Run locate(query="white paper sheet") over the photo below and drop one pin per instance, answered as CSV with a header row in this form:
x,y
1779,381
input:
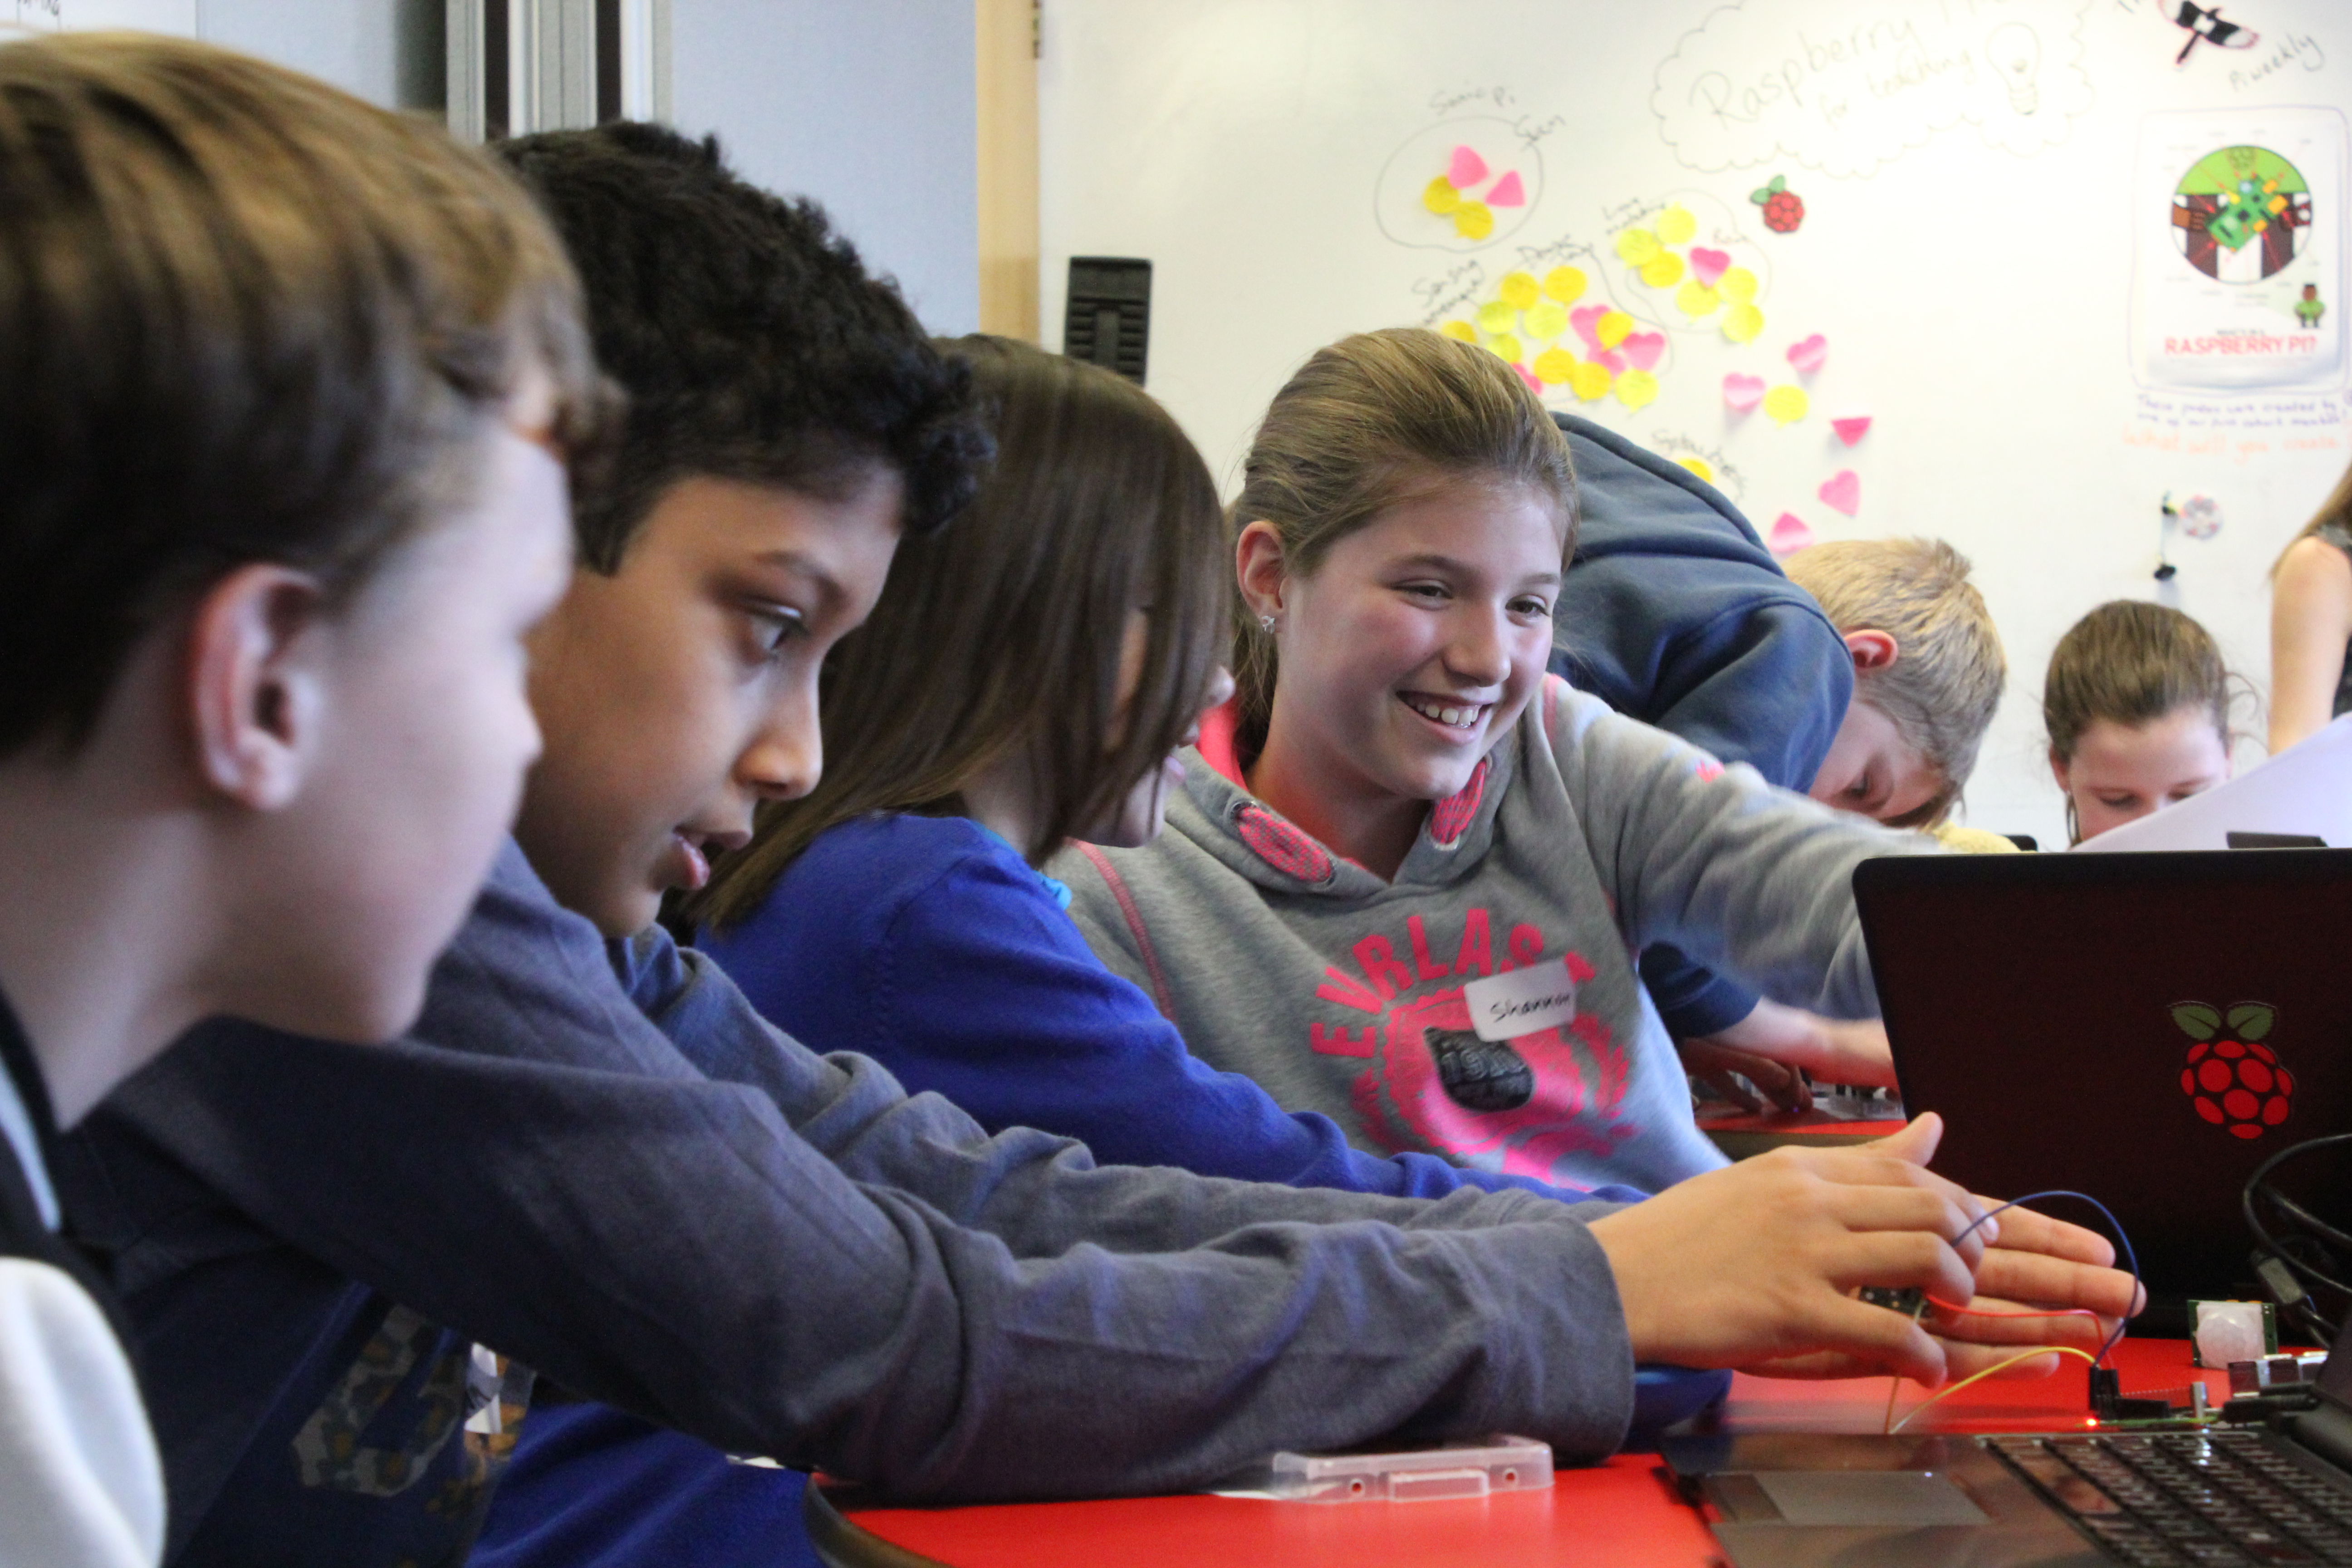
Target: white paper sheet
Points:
x,y
2305,789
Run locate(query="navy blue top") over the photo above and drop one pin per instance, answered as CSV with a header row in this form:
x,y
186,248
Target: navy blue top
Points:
x,y
1673,612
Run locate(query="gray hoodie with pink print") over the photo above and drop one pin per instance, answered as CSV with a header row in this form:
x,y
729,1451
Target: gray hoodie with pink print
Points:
x,y
1583,837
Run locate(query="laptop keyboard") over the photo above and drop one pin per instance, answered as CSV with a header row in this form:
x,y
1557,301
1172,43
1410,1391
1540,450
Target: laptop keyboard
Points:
x,y
2188,1497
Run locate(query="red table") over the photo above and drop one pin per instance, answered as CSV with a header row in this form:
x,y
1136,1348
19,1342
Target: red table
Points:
x,y
1622,1512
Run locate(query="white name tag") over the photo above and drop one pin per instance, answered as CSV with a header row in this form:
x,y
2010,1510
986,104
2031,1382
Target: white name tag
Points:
x,y
1523,1002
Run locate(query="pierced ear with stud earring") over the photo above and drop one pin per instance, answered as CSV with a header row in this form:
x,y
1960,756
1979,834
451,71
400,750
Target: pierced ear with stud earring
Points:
x,y
1266,623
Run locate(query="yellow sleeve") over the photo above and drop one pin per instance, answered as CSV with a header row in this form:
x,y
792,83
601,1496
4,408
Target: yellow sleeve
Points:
x,y
1970,840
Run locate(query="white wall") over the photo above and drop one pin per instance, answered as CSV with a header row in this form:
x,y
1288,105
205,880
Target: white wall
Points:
x,y
384,50
867,105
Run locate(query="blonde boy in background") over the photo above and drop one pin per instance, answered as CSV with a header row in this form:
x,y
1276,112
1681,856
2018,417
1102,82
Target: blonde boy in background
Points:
x,y
1928,670
1927,675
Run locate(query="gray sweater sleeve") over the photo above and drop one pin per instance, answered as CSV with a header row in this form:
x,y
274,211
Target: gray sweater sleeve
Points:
x,y
1752,881
781,1253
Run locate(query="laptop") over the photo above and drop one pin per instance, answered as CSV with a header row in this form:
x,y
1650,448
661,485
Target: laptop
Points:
x,y
2274,1494
2147,1028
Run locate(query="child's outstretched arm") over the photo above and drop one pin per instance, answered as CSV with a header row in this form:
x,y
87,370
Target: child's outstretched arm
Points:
x,y
1752,1266
1752,881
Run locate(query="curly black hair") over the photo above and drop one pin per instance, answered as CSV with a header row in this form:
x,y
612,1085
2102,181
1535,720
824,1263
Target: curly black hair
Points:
x,y
751,342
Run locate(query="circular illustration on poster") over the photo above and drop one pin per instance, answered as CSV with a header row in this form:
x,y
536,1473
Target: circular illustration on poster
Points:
x,y
2239,214
1461,184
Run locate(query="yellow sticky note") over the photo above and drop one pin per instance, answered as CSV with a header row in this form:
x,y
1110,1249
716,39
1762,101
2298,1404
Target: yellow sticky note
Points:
x,y
1636,245
1742,322
1695,299
1662,269
1507,348
1460,332
1545,319
1700,466
1676,225
1736,283
1786,404
1565,284
1612,329
1473,220
1555,365
1589,380
1440,197
1495,316
1519,290
1636,387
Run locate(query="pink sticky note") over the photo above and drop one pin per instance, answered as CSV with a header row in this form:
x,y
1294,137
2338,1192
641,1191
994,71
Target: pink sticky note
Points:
x,y
1809,355
1743,392
1508,192
1529,377
1706,266
1643,349
1584,318
1789,534
1851,430
1466,168
1843,491
1614,361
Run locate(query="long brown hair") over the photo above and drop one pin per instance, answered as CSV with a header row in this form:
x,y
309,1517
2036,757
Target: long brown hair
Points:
x,y
2132,662
1371,421
1001,633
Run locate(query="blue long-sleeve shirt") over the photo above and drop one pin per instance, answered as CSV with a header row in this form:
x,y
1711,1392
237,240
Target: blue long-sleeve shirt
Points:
x,y
927,944
1673,612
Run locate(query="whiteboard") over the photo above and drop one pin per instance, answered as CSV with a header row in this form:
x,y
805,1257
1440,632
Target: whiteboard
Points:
x,y
1988,252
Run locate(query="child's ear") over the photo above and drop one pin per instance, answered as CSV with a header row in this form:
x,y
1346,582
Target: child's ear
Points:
x,y
1258,567
1872,649
2058,770
255,687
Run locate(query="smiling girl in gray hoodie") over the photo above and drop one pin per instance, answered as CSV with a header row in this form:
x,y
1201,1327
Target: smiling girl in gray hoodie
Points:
x,y
1400,809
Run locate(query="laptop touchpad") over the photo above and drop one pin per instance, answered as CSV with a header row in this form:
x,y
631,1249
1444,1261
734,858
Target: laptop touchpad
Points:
x,y
1899,1499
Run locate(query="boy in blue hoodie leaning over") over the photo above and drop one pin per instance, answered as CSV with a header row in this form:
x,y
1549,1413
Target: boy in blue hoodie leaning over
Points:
x,y
280,378
1673,612
591,1156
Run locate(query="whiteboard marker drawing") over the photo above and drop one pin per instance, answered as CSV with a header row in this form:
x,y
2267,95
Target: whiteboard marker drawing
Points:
x,y
2203,24
2015,50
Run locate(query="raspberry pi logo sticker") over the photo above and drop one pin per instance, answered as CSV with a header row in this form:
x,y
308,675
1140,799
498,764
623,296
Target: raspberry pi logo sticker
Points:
x,y
2232,1078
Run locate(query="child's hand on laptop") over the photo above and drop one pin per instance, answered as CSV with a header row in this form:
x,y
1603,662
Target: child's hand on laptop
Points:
x,y
2045,1282
1753,1266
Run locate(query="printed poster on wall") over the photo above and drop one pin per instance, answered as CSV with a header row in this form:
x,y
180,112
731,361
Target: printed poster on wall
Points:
x,y
2239,250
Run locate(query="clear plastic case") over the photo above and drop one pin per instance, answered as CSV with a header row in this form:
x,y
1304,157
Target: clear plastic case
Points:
x,y
1499,1463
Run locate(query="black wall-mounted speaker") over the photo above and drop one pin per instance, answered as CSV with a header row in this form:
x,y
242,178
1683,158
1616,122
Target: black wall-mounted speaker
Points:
x,y
1108,318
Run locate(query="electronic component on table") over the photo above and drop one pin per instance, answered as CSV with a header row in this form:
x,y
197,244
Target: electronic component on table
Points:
x,y
2276,1371
1500,1463
1908,1299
